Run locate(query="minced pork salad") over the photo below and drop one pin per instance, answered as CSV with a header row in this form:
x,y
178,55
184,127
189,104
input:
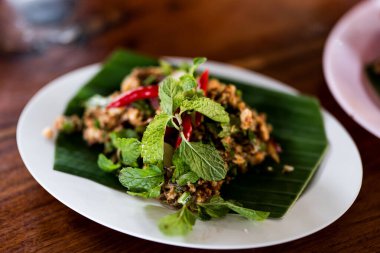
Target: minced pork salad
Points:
x,y
178,137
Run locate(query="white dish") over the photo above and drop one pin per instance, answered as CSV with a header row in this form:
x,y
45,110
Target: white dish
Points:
x,y
353,43
334,189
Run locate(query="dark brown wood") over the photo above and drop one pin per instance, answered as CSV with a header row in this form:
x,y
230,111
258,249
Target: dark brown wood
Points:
x,y
280,38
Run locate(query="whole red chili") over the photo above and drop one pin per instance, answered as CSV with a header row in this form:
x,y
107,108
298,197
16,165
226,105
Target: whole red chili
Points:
x,y
202,84
187,129
129,97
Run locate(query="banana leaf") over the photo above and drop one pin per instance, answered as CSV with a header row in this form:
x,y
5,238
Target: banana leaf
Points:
x,y
296,119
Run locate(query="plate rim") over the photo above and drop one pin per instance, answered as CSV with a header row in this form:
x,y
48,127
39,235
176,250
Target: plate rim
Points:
x,y
344,21
252,74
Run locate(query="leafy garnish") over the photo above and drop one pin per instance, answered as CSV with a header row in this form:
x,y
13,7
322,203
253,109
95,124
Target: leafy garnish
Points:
x,y
130,149
188,82
205,160
217,208
152,193
124,133
189,177
152,143
207,107
248,213
214,209
196,62
141,180
106,164
181,167
170,95
149,80
177,224
166,67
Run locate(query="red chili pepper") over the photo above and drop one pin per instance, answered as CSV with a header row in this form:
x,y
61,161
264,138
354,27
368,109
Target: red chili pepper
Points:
x,y
203,82
143,92
187,129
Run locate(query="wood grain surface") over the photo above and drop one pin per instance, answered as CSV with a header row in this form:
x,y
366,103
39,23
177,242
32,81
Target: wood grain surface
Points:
x,y
280,38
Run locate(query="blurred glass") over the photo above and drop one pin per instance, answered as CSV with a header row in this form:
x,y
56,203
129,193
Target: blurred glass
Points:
x,y
27,25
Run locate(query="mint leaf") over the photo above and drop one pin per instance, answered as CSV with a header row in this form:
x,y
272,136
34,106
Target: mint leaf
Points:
x,y
181,166
130,149
170,92
196,62
151,194
152,143
190,176
168,155
141,180
203,159
215,210
177,224
188,82
217,207
247,213
106,164
207,107
125,133
166,67
202,214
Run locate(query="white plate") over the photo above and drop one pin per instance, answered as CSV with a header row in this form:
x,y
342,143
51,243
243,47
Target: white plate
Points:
x,y
333,191
353,43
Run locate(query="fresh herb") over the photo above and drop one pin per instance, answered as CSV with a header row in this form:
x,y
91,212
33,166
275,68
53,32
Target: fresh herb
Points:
x,y
247,213
181,167
152,144
106,164
152,193
170,95
217,208
188,82
166,67
130,149
207,107
141,180
149,80
205,160
196,63
124,133
177,224
188,177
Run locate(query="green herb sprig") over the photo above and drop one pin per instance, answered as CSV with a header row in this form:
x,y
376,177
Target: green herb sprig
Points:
x,y
191,161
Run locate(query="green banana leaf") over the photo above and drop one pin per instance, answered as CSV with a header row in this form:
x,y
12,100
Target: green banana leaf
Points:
x,y
296,119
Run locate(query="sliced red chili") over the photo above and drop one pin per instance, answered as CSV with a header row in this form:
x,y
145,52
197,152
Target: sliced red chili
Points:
x,y
140,93
187,129
203,81
202,84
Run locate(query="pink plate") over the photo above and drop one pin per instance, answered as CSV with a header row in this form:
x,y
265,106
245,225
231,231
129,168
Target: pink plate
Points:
x,y
353,43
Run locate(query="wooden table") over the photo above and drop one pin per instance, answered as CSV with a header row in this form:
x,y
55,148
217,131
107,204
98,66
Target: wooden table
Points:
x,y
280,38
